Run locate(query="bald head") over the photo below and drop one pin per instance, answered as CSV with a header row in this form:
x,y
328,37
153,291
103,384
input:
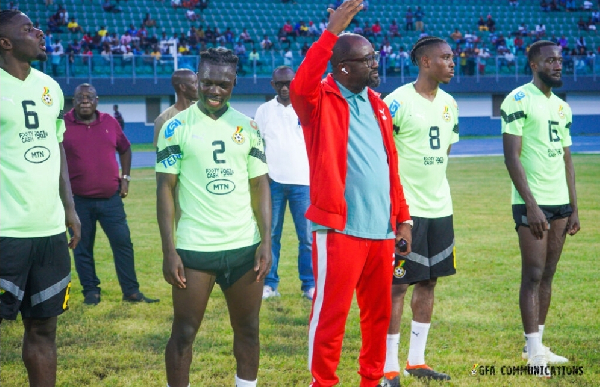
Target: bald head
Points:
x,y
348,46
86,86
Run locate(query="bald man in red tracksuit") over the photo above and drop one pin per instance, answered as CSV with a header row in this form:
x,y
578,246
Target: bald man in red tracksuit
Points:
x,y
357,205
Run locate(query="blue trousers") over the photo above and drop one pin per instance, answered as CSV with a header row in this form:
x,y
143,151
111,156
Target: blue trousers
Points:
x,y
111,215
299,198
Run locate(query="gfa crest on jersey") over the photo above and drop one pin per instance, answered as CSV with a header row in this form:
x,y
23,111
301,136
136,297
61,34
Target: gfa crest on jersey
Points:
x,y
238,137
561,113
399,271
446,114
46,97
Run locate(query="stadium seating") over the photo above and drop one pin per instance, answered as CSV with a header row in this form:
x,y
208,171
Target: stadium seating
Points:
x,y
266,17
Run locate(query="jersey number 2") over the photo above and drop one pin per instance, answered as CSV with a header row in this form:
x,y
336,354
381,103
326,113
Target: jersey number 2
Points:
x,y
434,137
31,117
220,149
553,133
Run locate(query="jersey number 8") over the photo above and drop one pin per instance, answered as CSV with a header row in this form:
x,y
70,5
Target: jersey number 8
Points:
x,y
434,137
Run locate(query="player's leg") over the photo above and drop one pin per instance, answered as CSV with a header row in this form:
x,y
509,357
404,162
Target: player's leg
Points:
x,y
39,351
299,199
46,297
278,205
440,245
338,261
375,316
84,252
244,299
112,218
189,305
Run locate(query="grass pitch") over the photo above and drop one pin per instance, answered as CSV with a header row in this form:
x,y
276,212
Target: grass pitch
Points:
x,y
476,317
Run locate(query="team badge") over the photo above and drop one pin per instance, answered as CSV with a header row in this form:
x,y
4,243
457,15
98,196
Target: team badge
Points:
x,y
446,114
46,97
561,113
394,107
399,271
519,96
253,125
238,137
170,129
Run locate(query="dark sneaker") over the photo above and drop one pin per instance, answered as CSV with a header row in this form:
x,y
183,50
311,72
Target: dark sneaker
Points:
x,y
92,299
424,371
390,379
139,297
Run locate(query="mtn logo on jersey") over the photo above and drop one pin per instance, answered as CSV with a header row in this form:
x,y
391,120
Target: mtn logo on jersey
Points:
x,y
394,107
170,130
399,271
561,113
519,96
238,137
446,114
46,97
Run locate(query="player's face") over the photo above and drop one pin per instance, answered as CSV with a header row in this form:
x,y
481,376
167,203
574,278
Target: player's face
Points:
x,y
363,73
281,83
85,102
27,42
215,84
549,66
442,63
191,87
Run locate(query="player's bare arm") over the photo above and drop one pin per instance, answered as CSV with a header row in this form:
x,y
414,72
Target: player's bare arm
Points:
x,y
573,225
173,270
535,217
125,159
260,196
343,15
66,196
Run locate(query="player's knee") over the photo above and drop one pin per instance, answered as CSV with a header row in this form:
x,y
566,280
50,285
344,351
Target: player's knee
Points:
x,y
428,284
549,272
532,276
246,329
184,334
40,329
399,291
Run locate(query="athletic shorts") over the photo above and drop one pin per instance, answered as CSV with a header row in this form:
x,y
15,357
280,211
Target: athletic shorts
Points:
x,y
228,265
35,276
551,212
432,254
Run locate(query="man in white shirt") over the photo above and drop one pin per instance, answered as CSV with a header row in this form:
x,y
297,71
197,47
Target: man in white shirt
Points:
x,y
288,173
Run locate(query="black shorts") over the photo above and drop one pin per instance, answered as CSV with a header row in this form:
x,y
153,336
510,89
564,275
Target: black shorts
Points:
x,y
550,212
228,265
35,276
432,254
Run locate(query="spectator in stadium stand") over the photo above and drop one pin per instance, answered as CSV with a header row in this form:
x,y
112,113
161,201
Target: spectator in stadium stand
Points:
x,y
595,16
288,58
191,15
587,5
376,28
228,36
289,29
393,30
563,42
303,29
490,23
210,34
519,44
312,29
357,213
571,6
540,30
148,21
156,53
254,59
282,38
106,54
591,26
62,16
419,15
91,141
456,36
245,37
481,25
202,5
266,44
110,8
73,26
544,6
57,52
367,30
581,24
554,6
358,29
87,40
126,38
580,43
322,26
408,17
175,4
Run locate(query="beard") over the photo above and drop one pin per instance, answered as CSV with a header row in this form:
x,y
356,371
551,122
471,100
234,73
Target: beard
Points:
x,y
373,81
549,81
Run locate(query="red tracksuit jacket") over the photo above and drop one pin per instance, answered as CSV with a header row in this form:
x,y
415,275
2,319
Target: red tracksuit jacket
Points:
x,y
325,118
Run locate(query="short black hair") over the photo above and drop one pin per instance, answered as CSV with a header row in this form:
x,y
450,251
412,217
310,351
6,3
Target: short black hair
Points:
x,y
536,48
6,16
417,50
219,56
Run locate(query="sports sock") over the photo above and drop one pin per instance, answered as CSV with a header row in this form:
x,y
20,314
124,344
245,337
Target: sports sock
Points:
x,y
541,330
534,346
418,340
244,383
391,354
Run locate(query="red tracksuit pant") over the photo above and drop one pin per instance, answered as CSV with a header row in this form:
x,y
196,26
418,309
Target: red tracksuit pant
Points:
x,y
341,264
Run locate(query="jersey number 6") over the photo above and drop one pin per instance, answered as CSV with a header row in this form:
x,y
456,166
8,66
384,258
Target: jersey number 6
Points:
x,y
30,115
553,133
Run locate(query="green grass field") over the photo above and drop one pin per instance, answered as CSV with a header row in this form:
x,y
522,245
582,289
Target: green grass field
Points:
x,y
476,317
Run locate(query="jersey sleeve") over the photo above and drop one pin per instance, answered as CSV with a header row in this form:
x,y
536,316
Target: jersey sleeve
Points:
x,y
566,130
60,121
513,113
168,148
123,143
257,162
455,132
394,106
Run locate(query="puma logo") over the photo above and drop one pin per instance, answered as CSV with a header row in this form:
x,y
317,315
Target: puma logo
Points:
x,y
415,333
